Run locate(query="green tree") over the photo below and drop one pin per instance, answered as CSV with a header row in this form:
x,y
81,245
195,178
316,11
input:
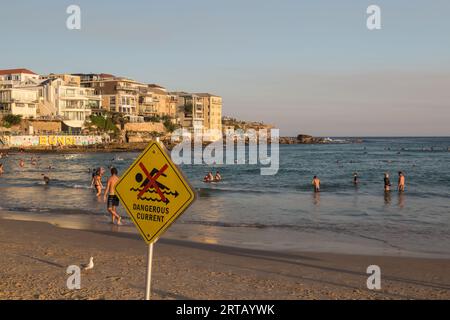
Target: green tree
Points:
x,y
11,120
103,124
170,126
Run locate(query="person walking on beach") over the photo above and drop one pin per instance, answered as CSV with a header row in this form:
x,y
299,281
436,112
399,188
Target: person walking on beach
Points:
x,y
316,184
113,200
401,181
387,182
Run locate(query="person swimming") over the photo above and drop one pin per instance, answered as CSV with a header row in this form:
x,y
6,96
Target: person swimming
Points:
x,y
316,184
387,182
1,168
401,181
46,179
217,177
209,177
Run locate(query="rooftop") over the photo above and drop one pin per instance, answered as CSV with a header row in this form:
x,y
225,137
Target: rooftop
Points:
x,y
205,95
15,71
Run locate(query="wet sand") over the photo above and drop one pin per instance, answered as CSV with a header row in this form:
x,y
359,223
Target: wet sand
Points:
x,y
35,255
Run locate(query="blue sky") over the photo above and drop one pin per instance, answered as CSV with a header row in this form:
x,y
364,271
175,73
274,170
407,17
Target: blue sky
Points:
x,y
305,66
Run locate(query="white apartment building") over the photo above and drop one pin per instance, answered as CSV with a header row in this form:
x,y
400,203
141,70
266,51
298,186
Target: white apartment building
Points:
x,y
12,77
65,99
17,101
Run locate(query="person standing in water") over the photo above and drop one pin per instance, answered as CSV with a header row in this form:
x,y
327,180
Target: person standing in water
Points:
x,y
387,182
316,184
401,181
97,182
355,178
110,194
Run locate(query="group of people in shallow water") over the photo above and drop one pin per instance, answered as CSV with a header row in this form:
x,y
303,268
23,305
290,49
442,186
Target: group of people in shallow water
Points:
x,y
212,178
109,196
21,164
387,183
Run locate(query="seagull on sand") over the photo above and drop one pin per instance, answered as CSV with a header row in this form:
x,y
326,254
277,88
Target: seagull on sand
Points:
x,y
90,265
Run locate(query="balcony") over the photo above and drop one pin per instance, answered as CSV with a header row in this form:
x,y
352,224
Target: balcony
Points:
x,y
73,97
126,88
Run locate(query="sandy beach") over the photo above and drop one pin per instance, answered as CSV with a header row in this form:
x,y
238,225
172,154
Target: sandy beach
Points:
x,y
35,256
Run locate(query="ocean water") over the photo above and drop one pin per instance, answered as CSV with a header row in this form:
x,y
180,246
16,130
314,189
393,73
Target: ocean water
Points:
x,y
277,212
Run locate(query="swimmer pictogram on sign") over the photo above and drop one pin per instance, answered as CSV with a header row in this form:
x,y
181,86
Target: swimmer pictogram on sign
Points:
x,y
152,185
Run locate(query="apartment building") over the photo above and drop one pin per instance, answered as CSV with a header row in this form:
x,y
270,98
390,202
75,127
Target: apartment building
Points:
x,y
157,101
118,94
212,116
63,97
190,111
18,101
12,77
87,77
147,107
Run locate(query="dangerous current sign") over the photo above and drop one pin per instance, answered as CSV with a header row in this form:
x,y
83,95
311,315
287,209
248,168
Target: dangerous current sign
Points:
x,y
154,192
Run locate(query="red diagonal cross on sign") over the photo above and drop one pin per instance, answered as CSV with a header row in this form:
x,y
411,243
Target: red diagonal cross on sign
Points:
x,y
152,181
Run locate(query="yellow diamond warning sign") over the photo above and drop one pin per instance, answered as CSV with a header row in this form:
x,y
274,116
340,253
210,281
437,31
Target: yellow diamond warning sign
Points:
x,y
154,192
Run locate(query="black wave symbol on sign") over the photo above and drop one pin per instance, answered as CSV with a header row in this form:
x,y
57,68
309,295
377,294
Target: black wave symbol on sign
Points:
x,y
154,199
169,193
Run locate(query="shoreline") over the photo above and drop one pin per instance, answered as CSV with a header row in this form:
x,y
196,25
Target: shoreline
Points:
x,y
35,256
140,146
129,147
239,237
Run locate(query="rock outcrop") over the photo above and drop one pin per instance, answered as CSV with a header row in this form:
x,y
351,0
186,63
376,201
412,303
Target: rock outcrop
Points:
x,y
302,139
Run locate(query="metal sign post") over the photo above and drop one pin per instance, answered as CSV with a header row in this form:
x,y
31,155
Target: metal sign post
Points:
x,y
149,272
154,193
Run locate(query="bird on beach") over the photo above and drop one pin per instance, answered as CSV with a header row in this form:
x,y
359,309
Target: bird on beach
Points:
x,y
90,265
